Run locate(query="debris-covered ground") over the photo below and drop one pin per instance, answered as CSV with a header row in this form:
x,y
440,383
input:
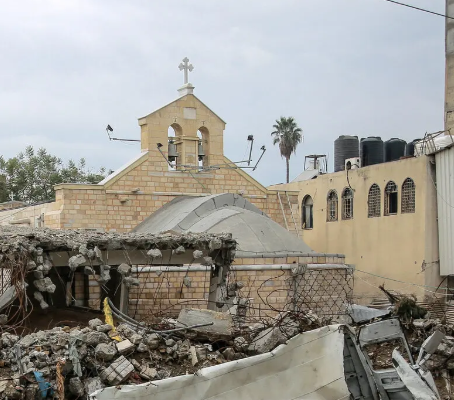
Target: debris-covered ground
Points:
x,y
73,362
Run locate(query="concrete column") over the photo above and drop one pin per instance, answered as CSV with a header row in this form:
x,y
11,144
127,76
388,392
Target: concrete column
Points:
x,y
449,79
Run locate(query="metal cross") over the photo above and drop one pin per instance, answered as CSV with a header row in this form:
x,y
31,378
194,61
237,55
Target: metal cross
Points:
x,y
186,67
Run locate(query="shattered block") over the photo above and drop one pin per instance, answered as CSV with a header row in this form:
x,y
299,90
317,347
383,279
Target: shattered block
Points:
x,y
267,340
197,254
148,373
76,261
31,265
130,281
125,347
215,244
91,254
118,371
154,253
207,261
98,252
104,328
92,385
124,269
105,351
44,285
76,387
83,249
47,266
94,323
94,338
3,319
104,274
180,250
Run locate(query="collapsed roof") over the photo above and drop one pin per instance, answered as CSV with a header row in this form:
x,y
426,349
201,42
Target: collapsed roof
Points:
x,y
257,234
18,240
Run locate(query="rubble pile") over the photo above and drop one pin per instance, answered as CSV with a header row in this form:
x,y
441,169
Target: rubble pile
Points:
x,y
100,355
443,359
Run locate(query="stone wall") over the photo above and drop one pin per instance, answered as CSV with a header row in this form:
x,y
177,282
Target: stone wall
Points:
x,y
266,282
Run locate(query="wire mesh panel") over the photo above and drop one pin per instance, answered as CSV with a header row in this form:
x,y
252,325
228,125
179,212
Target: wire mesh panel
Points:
x,y
326,292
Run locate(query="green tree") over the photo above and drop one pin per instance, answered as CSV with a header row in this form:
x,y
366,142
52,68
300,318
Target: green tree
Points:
x,y
31,176
288,135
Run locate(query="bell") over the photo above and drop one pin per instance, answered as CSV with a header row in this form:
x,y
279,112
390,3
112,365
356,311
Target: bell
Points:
x,y
172,151
201,152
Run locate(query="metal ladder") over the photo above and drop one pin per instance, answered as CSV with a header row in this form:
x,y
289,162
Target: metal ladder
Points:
x,y
293,218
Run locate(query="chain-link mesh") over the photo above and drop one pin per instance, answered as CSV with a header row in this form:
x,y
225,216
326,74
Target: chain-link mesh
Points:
x,y
325,291
5,279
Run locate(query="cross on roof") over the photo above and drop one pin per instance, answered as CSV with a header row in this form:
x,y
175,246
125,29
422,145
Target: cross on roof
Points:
x,y
186,67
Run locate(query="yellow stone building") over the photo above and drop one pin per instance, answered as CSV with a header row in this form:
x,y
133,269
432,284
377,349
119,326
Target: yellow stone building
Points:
x,y
383,217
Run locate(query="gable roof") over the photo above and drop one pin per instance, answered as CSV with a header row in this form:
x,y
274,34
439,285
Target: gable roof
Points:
x,y
174,101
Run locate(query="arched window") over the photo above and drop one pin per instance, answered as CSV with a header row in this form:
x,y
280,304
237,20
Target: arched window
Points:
x,y
331,207
307,212
347,204
374,201
408,196
391,194
203,148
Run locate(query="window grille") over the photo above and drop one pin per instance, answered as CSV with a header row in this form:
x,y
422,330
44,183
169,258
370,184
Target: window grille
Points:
x,y
391,198
374,201
331,207
307,213
408,196
347,204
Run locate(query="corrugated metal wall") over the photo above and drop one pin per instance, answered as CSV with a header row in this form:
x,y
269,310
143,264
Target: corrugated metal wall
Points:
x,y
444,161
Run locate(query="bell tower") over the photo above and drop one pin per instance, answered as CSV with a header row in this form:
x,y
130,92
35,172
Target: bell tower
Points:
x,y
197,142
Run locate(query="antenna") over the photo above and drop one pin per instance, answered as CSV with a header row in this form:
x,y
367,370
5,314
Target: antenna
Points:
x,y
110,129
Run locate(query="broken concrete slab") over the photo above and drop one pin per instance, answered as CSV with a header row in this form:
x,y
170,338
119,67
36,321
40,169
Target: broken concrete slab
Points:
x,y
360,313
44,285
222,323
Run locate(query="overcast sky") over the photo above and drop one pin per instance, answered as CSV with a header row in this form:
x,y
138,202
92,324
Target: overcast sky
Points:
x,y
361,67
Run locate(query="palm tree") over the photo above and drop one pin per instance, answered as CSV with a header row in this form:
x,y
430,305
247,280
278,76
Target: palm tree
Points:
x,y
288,135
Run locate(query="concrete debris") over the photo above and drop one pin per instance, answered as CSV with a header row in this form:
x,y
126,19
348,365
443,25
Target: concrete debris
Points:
x,y
94,338
105,328
94,323
83,249
98,253
75,261
221,323
125,347
91,255
91,385
104,272
179,250
76,387
187,281
215,244
130,281
40,298
3,319
44,285
124,269
207,261
105,351
197,254
31,265
154,253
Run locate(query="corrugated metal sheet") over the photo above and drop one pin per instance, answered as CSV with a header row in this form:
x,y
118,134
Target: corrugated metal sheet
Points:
x,y
444,161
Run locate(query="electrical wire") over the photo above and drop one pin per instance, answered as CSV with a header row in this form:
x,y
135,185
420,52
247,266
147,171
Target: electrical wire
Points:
x,y
419,9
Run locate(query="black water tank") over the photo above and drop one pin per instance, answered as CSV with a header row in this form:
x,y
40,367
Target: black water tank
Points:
x,y
394,149
410,148
371,151
345,147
